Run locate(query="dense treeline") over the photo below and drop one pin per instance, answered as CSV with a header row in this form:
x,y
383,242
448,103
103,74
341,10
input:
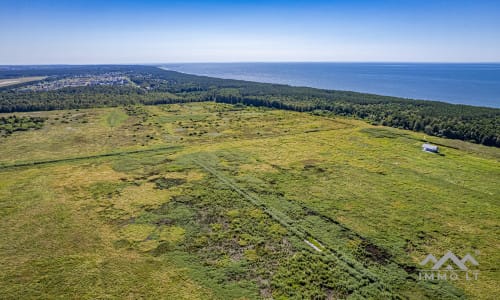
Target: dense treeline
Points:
x,y
157,86
481,127
81,97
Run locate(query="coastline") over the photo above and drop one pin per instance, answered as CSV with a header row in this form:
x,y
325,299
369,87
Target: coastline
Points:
x,y
384,79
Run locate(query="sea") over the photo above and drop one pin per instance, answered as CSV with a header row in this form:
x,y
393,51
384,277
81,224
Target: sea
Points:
x,y
464,83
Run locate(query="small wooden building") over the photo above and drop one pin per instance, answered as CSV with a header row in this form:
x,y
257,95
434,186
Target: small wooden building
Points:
x,y
430,148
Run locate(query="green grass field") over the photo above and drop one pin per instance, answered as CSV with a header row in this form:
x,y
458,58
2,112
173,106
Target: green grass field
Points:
x,y
213,201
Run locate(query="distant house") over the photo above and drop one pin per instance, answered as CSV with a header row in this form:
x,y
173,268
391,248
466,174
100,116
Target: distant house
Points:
x,y
430,148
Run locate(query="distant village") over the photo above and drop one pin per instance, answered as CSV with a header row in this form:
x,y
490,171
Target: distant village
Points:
x,y
113,79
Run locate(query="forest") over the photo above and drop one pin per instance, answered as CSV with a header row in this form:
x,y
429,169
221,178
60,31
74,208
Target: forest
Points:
x,y
157,86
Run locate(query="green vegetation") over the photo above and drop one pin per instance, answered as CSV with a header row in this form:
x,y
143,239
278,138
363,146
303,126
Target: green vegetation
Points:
x,y
116,117
212,200
153,86
13,123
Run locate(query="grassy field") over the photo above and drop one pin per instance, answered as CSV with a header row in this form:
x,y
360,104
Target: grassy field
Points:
x,y
214,201
14,81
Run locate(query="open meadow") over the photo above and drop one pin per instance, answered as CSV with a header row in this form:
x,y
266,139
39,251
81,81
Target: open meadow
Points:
x,y
16,81
218,201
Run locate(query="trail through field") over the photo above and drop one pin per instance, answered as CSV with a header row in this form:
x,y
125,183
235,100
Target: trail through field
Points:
x,y
78,158
365,276
313,246
324,235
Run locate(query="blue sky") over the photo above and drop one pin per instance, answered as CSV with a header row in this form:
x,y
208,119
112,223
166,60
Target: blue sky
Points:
x,y
79,32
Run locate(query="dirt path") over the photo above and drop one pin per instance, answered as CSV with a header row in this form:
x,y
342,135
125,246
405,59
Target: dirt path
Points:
x,y
354,268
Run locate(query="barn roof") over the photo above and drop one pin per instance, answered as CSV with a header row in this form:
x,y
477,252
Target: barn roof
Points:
x,y
429,146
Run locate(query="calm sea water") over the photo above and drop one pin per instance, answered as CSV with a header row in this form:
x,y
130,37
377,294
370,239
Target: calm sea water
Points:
x,y
473,84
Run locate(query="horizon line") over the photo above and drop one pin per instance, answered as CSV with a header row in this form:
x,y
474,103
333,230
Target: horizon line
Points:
x,y
254,62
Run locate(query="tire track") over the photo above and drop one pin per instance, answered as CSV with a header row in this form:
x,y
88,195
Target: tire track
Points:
x,y
354,269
